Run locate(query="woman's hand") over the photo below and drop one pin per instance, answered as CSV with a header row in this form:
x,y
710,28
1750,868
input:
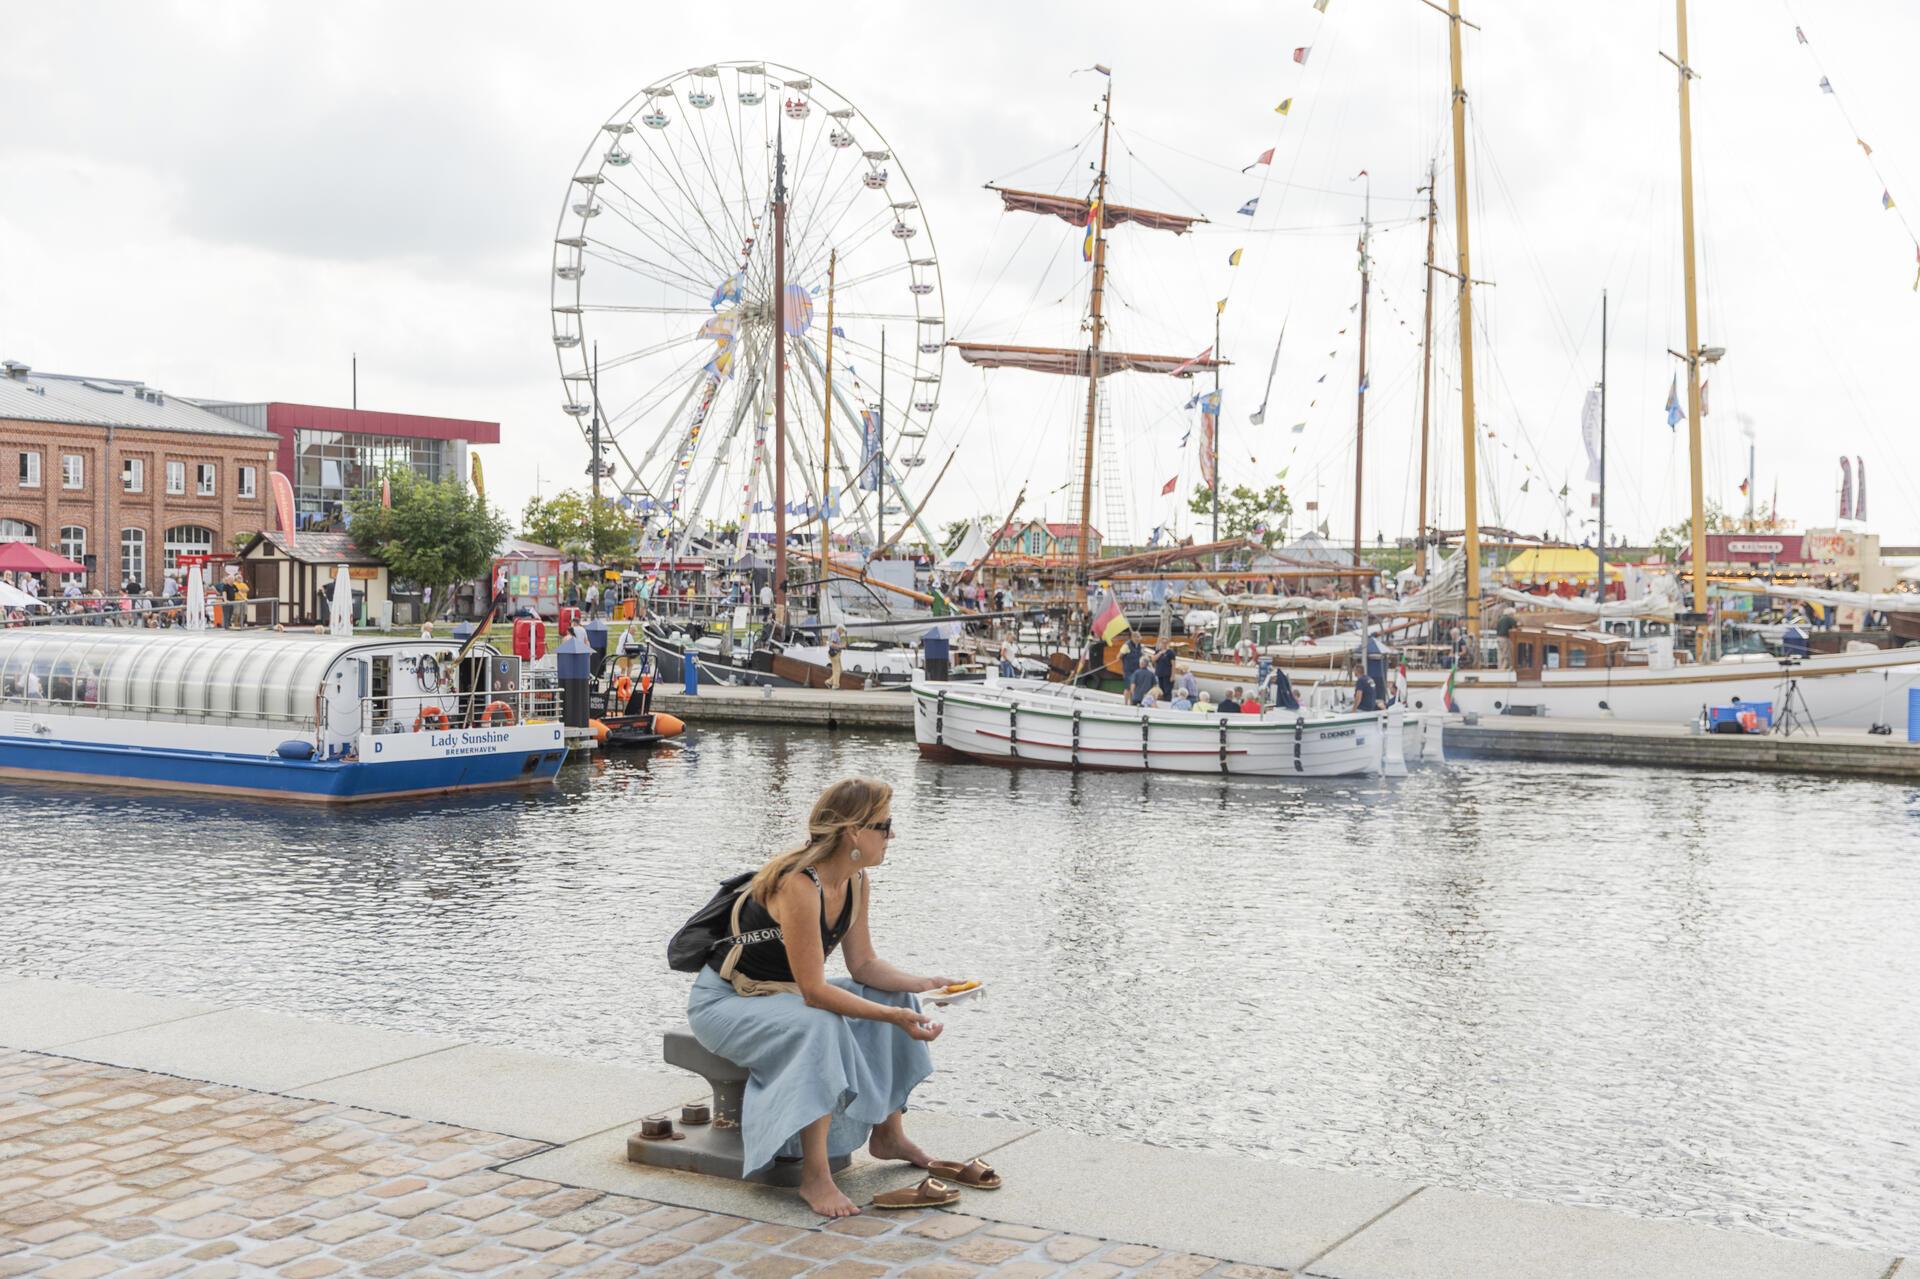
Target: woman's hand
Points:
x,y
917,1027
932,983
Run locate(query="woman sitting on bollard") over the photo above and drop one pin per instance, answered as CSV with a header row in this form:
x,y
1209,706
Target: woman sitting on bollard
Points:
x,y
831,1061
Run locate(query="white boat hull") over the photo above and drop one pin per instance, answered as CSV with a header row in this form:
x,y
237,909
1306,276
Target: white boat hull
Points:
x,y
1033,723
1842,690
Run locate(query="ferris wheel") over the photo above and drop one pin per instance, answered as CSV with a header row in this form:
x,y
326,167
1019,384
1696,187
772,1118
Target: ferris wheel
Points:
x,y
664,319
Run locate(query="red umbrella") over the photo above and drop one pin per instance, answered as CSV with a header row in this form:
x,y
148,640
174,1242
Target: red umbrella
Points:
x,y
25,557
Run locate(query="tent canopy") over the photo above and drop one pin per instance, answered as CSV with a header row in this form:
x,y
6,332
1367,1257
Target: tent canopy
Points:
x,y
25,557
1555,563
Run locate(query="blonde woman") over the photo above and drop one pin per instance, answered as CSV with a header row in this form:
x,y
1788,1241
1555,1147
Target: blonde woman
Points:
x,y
831,1061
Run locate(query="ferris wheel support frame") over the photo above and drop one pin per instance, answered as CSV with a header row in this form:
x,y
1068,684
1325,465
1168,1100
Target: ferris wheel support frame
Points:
x,y
886,472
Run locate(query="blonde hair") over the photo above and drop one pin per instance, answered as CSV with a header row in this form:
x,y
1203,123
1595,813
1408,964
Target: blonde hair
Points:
x,y
842,809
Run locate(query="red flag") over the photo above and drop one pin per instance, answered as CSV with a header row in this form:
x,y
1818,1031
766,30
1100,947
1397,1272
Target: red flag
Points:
x,y
1168,486
1182,368
1266,157
1300,54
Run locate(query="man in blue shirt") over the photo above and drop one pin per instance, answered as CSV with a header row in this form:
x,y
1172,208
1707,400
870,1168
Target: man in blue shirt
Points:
x,y
1139,684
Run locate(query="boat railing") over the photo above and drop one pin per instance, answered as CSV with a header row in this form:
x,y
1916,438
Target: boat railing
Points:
x,y
438,710
142,612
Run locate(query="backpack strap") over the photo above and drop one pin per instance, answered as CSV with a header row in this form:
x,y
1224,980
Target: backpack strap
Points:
x,y
732,960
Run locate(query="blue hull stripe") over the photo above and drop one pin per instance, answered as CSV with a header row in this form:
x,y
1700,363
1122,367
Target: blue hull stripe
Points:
x,y
329,781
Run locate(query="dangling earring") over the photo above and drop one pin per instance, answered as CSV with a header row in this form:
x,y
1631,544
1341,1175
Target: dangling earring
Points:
x,y
856,853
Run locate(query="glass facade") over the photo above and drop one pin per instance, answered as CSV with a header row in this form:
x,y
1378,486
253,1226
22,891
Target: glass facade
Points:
x,y
332,468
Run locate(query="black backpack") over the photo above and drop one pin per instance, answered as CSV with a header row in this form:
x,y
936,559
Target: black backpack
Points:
x,y
707,928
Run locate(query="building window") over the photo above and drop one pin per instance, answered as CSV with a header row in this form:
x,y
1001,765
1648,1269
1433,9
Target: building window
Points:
x,y
133,555
248,480
332,468
176,478
185,539
203,476
73,471
29,470
133,475
17,531
73,545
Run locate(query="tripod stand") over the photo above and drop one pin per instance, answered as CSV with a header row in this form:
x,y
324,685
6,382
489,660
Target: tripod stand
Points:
x,y
1794,714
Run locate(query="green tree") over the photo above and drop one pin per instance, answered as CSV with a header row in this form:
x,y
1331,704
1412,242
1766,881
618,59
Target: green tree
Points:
x,y
435,534
1676,538
563,519
1244,512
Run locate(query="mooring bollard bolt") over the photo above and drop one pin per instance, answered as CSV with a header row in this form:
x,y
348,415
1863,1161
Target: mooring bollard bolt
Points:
x,y
659,1128
695,1113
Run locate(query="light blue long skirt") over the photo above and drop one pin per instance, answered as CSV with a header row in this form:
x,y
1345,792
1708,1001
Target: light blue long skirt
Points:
x,y
807,1062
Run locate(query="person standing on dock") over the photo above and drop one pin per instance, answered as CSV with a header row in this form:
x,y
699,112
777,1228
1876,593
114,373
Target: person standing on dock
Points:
x,y
836,649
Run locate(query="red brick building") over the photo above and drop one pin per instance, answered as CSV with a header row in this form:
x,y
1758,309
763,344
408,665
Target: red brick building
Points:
x,y
124,478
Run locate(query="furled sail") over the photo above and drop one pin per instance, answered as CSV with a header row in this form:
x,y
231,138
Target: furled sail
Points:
x,y
1072,209
1072,362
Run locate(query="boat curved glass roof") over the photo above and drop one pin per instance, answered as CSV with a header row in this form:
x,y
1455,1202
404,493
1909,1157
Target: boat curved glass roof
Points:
x,y
261,676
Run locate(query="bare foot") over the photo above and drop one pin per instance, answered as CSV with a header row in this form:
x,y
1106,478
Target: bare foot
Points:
x,y
825,1198
897,1146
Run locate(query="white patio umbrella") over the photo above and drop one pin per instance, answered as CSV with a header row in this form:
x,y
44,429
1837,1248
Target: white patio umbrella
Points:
x,y
196,617
340,615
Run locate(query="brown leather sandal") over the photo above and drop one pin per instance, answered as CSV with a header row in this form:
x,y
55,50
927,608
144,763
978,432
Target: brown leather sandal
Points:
x,y
977,1174
930,1193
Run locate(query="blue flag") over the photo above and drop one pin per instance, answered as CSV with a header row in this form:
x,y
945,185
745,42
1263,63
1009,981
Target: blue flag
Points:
x,y
1250,206
1673,403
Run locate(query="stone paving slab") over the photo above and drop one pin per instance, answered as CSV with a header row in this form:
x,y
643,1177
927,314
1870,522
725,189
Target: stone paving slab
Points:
x,y
253,1049
35,1013
1252,1210
600,1161
509,1091
1446,1234
106,1171
1450,1233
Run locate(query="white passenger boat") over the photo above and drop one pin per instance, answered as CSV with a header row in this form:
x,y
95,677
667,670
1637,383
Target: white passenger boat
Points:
x,y
272,714
1033,722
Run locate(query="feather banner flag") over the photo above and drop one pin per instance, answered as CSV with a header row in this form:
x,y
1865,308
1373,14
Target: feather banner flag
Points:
x,y
1286,105
479,477
1673,402
1233,258
1860,488
1300,54
1846,488
1266,157
282,490
1209,446
1248,208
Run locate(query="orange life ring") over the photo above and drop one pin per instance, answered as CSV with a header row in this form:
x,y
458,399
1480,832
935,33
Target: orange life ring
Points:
x,y
432,714
623,689
503,711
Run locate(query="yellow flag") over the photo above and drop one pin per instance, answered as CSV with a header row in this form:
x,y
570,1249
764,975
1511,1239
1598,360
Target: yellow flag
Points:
x,y
479,480
1864,146
1321,5
1233,258
1286,105
1220,306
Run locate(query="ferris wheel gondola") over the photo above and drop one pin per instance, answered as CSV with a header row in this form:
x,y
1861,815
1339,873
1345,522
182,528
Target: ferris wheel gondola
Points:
x,y
674,297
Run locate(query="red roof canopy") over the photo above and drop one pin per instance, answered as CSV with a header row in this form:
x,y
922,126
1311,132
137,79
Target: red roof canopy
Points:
x,y
25,557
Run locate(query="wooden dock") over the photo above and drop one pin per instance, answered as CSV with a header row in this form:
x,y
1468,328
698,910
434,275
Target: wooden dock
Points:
x,y
1832,752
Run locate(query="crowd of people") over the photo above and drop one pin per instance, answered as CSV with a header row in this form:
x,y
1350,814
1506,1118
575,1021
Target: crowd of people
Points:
x,y
136,604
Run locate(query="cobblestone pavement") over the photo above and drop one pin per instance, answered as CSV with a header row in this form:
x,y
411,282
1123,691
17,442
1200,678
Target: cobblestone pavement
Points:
x,y
106,1171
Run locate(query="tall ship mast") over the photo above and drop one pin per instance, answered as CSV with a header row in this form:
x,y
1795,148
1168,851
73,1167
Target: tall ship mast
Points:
x,y
1094,361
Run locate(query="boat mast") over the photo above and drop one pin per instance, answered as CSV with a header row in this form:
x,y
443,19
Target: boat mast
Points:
x,y
880,449
1218,421
1360,418
826,446
1694,352
1426,375
779,379
1470,535
1601,569
1094,326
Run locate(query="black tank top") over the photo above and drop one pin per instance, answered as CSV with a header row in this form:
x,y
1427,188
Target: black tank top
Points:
x,y
766,959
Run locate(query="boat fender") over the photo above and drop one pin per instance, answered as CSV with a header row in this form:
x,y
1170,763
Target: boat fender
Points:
x,y
668,725
599,727
497,713
294,750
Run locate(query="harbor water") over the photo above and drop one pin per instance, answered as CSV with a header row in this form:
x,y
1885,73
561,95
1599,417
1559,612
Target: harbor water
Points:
x,y
1673,994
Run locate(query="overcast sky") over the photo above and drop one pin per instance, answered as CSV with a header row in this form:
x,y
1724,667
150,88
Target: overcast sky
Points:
x,y
228,199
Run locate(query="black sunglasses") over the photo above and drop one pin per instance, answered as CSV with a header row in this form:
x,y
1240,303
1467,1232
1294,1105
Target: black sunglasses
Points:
x,y
885,828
